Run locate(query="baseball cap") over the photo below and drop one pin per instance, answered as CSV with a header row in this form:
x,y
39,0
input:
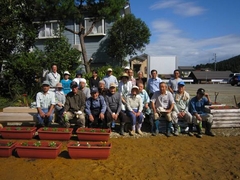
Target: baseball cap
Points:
x,y
201,91
127,67
73,84
46,83
181,83
94,90
109,69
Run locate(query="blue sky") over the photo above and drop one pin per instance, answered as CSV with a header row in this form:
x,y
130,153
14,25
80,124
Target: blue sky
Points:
x,y
192,30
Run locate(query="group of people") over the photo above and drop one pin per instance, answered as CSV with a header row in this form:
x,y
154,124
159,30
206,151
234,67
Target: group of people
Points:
x,y
109,100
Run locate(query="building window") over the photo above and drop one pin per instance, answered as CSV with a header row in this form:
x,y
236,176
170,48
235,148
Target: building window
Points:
x,y
98,29
49,30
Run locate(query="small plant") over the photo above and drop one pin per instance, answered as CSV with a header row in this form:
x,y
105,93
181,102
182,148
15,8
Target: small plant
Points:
x,y
37,144
102,130
52,144
76,144
93,130
82,130
9,143
103,143
54,129
45,128
28,129
24,144
66,130
8,128
18,128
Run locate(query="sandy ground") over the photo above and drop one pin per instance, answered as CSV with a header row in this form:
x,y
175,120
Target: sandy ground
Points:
x,y
146,157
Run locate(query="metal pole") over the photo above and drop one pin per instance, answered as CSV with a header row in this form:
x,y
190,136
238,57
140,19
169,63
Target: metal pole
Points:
x,y
215,60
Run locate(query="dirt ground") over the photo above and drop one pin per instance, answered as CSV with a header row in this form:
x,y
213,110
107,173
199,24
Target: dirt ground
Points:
x,y
157,157
145,157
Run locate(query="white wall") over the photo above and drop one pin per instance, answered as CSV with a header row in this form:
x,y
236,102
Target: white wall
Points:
x,y
163,64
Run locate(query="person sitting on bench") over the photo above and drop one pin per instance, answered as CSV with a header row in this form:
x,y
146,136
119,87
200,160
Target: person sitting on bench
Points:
x,y
95,109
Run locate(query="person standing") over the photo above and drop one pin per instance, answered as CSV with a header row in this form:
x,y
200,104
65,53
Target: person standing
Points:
x,y
124,88
131,78
180,111
66,82
114,103
153,83
53,77
45,105
74,106
134,110
162,104
109,78
101,88
197,109
141,79
95,109
173,82
94,80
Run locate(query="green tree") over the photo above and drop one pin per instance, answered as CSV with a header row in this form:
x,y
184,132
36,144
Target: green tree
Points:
x,y
17,32
127,36
24,70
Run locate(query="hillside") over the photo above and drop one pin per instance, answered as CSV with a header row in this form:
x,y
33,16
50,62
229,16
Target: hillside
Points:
x,y
232,64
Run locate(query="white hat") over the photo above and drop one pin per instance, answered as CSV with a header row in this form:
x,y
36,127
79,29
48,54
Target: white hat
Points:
x,y
109,69
82,80
66,72
127,68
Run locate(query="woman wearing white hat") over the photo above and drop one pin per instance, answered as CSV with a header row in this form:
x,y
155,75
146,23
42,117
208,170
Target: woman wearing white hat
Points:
x,y
66,82
134,110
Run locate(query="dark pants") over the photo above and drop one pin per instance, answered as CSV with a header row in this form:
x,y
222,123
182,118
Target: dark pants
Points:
x,y
97,123
122,117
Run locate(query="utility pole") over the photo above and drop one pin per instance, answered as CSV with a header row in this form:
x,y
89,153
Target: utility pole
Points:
x,y
215,61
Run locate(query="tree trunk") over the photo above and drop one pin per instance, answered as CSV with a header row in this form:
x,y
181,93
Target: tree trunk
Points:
x,y
84,53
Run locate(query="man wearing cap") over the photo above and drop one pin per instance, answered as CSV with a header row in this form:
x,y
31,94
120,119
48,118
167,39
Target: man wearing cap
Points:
x,y
180,111
101,88
109,78
45,105
53,77
60,99
162,104
114,103
134,110
173,82
153,83
66,82
126,69
95,109
83,88
197,109
74,106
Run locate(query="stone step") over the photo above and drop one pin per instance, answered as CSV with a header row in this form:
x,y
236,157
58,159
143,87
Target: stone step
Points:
x,y
19,110
16,117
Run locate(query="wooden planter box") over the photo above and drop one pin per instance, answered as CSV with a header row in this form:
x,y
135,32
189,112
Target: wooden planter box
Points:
x,y
45,151
18,132
6,148
89,150
93,134
47,133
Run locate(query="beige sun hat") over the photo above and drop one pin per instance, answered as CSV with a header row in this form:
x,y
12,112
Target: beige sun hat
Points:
x,y
66,72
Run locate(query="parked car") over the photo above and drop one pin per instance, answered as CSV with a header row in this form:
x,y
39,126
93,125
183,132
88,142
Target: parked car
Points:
x,y
235,80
